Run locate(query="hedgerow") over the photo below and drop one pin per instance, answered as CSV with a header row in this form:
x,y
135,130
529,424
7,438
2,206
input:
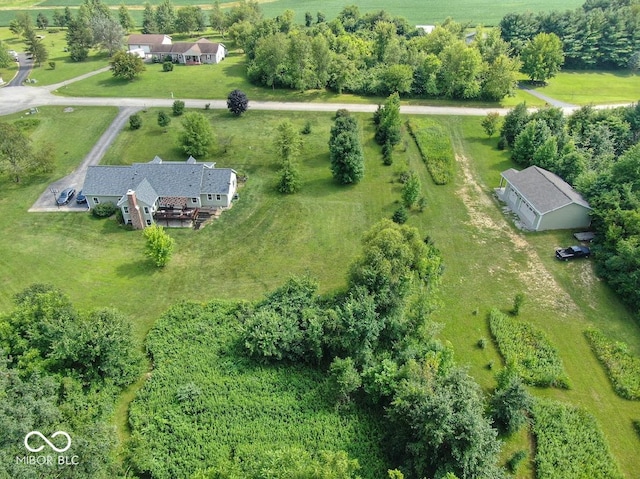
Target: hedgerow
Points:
x,y
208,403
528,350
570,444
622,367
434,144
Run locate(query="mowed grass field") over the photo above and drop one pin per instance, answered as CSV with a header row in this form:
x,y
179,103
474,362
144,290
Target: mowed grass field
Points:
x,y
417,12
266,237
594,87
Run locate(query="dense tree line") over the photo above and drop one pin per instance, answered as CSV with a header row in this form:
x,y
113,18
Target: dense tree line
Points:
x,y
600,34
62,370
375,54
598,152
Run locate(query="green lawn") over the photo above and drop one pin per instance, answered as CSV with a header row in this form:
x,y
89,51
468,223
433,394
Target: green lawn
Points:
x,y
488,261
266,237
594,87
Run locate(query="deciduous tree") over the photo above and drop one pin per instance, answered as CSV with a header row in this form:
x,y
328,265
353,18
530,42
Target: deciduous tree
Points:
x,y
196,138
16,153
159,245
126,66
389,124
411,190
164,120
490,123
237,102
542,57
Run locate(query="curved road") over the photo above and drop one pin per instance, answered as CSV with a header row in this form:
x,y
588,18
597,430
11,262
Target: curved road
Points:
x,y
15,98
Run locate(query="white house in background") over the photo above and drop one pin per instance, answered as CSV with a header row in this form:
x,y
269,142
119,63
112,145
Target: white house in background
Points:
x,y
161,48
171,191
426,28
543,200
190,53
145,41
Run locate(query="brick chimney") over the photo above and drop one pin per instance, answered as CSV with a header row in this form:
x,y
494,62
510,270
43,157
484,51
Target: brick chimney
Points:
x,y
137,220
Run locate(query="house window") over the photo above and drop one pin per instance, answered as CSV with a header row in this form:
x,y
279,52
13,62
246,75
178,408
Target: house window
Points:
x,y
146,210
209,197
218,197
96,200
148,222
126,210
194,200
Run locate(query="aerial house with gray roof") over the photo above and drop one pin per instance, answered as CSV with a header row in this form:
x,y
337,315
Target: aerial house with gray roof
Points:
x,y
174,192
542,200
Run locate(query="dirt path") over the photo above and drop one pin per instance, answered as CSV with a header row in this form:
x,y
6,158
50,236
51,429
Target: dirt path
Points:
x,y
535,275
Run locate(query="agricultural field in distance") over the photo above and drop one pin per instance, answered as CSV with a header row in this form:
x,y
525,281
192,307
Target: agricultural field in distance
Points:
x,y
416,11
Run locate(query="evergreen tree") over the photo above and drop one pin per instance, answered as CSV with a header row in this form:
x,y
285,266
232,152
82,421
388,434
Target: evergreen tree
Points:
x,y
165,17
125,19
345,151
148,19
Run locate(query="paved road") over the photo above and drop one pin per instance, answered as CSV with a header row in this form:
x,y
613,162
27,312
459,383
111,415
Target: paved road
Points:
x,y
23,72
15,98
550,101
46,201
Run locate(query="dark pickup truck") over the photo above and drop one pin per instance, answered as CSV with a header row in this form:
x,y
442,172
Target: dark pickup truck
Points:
x,y
573,252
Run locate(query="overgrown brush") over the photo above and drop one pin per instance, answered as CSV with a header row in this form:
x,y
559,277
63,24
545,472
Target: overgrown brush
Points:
x,y
570,444
434,144
622,367
528,350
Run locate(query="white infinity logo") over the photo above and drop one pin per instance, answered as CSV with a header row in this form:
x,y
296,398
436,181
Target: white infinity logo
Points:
x,y
49,443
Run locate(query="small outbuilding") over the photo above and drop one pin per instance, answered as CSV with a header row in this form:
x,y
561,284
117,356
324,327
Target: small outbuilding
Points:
x,y
542,200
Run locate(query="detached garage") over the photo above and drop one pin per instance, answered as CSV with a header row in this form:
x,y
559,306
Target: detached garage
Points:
x,y
543,200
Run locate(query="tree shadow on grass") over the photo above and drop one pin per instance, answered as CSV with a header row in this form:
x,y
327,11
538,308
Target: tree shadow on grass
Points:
x,y
135,269
323,187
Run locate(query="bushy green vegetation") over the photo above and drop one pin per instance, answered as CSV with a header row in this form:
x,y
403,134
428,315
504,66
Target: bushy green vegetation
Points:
x,y
62,370
376,54
528,351
434,143
623,368
570,444
226,409
383,359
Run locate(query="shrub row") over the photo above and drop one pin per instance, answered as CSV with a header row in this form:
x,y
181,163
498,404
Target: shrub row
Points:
x,y
622,367
529,351
434,144
570,444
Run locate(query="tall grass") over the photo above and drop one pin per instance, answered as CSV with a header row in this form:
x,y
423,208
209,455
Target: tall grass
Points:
x,y
623,368
529,350
434,143
207,403
570,444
